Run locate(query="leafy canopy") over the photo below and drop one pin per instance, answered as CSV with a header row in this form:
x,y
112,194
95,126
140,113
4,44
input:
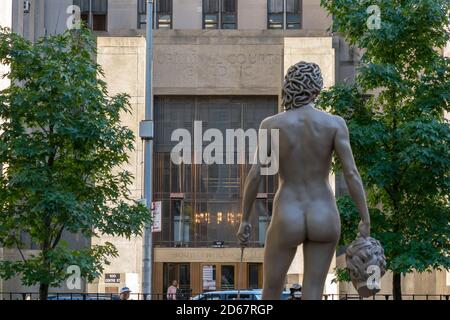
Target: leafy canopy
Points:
x,y
400,137
63,150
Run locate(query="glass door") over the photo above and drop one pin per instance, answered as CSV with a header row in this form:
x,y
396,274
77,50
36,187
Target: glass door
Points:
x,y
227,277
217,276
179,272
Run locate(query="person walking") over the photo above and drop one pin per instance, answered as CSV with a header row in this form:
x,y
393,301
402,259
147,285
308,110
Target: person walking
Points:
x,y
172,291
125,293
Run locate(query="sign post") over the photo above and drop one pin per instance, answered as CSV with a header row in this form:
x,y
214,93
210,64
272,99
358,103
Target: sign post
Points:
x,y
146,133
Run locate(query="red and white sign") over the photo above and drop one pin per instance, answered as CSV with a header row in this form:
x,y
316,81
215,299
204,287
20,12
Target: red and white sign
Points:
x,y
156,215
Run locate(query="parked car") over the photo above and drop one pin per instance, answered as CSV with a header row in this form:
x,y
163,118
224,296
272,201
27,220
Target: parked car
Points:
x,y
254,294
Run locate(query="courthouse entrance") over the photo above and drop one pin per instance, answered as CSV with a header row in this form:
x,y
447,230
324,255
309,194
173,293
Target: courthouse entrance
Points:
x,y
210,276
200,270
201,203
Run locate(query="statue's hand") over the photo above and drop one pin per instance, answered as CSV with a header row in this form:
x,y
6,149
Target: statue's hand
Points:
x,y
364,229
243,233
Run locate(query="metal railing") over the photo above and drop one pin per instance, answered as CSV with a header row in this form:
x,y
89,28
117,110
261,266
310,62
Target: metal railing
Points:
x,y
188,296
82,296
387,297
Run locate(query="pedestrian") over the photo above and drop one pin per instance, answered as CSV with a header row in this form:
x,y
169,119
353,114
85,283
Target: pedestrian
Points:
x,y
172,291
125,293
296,292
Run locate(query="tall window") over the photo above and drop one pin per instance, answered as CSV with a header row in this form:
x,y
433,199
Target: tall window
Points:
x,y
284,14
293,14
162,14
275,14
94,13
219,14
142,11
201,203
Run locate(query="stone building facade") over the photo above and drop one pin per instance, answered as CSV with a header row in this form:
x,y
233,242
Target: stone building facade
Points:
x,y
219,62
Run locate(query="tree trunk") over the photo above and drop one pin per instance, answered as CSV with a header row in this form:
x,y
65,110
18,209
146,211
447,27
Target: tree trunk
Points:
x,y
43,291
43,287
397,286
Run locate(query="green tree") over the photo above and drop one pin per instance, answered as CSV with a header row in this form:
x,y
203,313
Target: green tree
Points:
x,y
62,146
400,137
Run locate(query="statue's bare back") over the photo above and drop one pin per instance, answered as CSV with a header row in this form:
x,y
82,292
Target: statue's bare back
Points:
x,y
304,210
304,205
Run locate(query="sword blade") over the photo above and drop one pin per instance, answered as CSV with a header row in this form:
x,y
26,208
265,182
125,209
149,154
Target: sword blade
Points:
x,y
240,273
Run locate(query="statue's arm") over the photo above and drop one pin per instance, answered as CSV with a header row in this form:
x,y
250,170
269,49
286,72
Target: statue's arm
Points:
x,y
251,187
351,174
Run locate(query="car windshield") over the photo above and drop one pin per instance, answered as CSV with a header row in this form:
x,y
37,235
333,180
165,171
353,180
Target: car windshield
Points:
x,y
210,297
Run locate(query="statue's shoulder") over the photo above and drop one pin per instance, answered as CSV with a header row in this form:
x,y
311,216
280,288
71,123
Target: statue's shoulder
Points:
x,y
325,114
339,121
329,118
272,122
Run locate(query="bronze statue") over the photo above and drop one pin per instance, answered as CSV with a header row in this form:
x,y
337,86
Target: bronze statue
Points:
x,y
304,208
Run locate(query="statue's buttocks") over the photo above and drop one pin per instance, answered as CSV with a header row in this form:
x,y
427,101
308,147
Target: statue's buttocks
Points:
x,y
304,206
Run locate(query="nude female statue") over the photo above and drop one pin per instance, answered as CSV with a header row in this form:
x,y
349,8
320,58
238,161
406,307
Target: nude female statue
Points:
x,y
304,208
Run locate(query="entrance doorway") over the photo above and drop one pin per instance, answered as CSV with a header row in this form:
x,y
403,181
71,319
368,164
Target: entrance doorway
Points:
x,y
219,276
181,272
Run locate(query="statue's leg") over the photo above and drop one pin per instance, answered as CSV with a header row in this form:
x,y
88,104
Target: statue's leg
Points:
x,y
317,257
277,259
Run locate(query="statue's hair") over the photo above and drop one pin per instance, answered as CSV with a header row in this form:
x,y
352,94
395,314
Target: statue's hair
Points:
x,y
302,84
362,253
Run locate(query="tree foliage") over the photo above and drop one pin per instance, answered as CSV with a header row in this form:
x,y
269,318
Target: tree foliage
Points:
x,y
63,147
395,111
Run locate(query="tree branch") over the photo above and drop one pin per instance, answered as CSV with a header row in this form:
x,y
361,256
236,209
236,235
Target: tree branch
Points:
x,y
20,251
58,237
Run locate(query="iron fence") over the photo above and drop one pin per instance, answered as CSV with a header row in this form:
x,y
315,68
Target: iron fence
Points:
x,y
187,296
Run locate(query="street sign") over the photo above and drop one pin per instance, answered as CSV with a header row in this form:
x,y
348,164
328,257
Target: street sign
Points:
x,y
112,277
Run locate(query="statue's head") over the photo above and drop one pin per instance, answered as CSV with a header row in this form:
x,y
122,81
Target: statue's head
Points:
x,y
302,84
366,264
